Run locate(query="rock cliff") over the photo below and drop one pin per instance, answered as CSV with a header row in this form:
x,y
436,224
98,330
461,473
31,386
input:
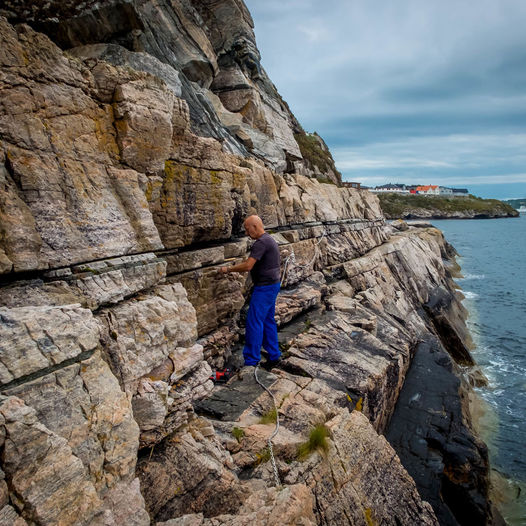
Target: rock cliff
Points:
x,y
127,166
206,53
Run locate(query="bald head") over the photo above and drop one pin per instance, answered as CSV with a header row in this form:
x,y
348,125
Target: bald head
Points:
x,y
254,227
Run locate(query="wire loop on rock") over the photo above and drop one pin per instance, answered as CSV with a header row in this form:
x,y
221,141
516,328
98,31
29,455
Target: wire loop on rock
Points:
x,y
291,258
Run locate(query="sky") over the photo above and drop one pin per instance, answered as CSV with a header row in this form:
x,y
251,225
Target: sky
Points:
x,y
406,91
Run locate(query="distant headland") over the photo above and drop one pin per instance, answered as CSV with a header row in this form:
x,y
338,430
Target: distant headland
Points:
x,y
438,202
418,189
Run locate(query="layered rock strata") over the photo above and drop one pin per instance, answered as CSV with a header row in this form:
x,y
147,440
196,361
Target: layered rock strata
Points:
x,y
205,52
114,219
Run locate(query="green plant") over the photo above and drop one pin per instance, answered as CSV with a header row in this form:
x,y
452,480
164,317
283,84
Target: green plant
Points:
x,y
308,325
269,417
317,442
263,456
312,151
284,347
325,180
238,433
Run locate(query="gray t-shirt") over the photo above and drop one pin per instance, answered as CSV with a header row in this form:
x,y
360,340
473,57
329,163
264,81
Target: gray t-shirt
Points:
x,y
266,270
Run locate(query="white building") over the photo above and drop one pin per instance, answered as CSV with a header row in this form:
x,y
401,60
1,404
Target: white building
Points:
x,y
397,188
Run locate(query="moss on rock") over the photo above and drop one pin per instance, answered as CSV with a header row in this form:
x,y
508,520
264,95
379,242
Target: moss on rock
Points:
x,y
315,152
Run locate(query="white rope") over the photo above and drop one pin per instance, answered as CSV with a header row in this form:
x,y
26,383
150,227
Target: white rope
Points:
x,y
269,441
292,258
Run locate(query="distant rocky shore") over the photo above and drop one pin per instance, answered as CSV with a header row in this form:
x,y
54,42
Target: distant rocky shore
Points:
x,y
398,206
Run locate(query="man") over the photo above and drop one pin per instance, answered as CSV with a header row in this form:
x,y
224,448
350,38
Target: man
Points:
x,y
263,264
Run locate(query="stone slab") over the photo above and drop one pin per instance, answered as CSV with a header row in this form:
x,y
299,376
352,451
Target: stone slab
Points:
x,y
227,402
37,338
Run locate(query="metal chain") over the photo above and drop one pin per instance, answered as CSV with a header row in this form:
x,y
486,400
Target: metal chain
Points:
x,y
269,441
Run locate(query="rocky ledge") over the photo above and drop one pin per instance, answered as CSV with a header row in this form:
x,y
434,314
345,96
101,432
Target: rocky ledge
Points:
x,y
117,208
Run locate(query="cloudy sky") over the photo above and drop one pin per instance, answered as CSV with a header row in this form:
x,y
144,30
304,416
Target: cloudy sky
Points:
x,y
409,91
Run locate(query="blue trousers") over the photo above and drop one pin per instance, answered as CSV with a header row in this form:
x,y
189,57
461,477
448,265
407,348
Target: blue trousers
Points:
x,y
261,328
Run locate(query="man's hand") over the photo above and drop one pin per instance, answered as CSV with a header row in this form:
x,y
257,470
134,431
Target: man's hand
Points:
x,y
245,266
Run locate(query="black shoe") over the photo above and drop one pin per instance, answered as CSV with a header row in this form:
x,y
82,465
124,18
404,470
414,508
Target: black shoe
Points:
x,y
270,364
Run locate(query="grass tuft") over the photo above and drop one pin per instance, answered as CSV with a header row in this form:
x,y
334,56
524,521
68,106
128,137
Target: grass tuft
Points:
x,y
269,417
263,456
317,442
238,433
313,151
308,325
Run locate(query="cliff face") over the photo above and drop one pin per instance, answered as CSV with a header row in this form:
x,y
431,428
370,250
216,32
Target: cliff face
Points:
x,y
119,200
205,51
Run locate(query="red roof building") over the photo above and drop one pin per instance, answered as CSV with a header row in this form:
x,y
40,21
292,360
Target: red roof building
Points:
x,y
428,189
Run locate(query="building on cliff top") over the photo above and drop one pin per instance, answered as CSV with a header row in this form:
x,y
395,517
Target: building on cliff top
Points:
x,y
352,184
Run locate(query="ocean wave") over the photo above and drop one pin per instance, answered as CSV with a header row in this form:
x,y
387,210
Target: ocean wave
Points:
x,y
496,360
470,295
472,276
503,375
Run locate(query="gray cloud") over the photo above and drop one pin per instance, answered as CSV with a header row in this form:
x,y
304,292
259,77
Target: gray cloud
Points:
x,y
376,78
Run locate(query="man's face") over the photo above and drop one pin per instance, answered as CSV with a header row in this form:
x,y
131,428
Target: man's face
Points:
x,y
251,229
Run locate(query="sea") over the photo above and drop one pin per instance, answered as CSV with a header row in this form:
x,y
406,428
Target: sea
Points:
x,y
493,262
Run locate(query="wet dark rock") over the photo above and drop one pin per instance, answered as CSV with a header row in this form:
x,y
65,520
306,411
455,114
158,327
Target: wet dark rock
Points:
x,y
228,401
435,443
447,315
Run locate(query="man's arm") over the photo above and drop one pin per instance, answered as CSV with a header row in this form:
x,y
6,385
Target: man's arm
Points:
x,y
246,266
